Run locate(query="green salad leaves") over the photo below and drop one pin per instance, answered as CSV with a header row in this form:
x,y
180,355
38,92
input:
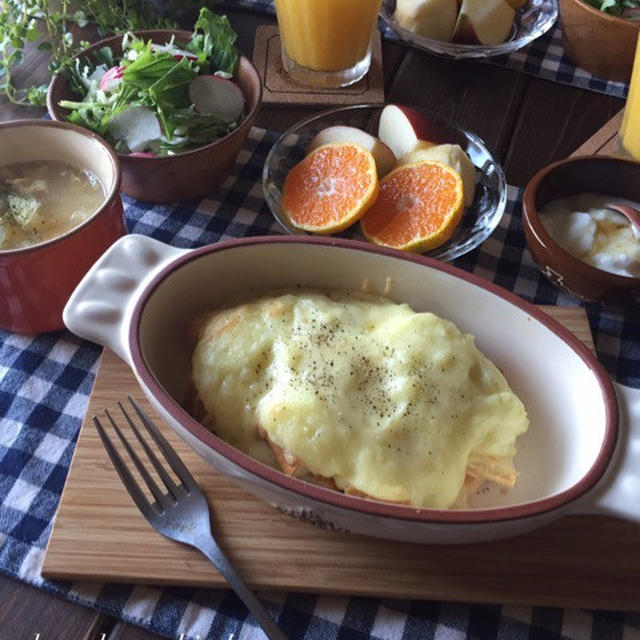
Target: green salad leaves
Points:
x,y
215,39
141,102
57,29
628,9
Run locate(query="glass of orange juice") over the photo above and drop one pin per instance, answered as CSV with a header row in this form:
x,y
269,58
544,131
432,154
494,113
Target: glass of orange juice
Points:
x,y
630,130
326,42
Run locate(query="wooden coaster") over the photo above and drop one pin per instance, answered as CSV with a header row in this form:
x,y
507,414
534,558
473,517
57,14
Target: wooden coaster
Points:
x,y
280,88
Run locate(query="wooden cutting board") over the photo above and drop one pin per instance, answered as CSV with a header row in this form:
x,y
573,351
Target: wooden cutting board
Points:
x,y
590,562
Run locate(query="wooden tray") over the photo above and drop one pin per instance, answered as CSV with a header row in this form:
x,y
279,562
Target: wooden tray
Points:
x,y
589,562
604,141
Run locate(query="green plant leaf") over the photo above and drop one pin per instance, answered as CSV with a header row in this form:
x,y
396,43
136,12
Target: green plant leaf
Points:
x,y
33,33
104,55
614,7
215,38
171,92
148,68
195,129
80,18
37,95
610,6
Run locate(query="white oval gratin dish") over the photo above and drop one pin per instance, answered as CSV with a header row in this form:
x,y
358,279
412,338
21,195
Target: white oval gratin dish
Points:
x,y
580,455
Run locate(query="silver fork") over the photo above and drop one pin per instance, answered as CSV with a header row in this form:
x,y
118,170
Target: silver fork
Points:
x,y
181,513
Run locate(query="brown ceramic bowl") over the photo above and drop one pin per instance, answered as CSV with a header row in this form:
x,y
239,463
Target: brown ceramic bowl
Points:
x,y
598,42
616,177
36,281
185,175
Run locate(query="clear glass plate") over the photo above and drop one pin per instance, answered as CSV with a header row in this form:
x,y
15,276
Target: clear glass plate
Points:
x,y
478,221
534,19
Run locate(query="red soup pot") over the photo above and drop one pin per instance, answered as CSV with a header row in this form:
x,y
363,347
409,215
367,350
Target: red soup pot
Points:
x,y
36,281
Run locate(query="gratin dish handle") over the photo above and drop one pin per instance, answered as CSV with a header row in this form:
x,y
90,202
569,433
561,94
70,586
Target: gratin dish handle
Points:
x,y
619,495
100,308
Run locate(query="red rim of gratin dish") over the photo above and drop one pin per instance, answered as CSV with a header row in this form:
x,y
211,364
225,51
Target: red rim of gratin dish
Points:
x,y
367,506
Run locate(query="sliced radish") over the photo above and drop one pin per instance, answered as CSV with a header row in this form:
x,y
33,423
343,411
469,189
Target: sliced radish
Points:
x,y
143,154
137,126
215,96
178,54
98,73
111,79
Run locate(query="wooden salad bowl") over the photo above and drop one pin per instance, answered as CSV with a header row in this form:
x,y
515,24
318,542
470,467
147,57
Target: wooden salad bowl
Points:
x,y
186,175
597,42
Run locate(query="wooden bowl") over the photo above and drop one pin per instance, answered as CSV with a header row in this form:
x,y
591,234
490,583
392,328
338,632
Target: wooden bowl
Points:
x,y
186,175
599,43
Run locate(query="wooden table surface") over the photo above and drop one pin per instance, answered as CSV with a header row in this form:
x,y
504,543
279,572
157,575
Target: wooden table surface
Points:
x,y
526,122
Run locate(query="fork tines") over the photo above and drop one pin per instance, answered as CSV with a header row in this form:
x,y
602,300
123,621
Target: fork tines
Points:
x,y
181,513
171,493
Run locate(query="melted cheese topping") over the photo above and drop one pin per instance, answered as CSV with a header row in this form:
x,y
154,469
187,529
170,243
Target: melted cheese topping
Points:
x,y
380,399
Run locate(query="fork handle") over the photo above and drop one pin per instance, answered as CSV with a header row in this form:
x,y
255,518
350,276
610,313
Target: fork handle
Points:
x,y
209,548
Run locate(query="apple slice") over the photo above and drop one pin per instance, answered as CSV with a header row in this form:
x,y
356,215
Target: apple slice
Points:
x,y
433,19
486,22
404,129
454,156
215,96
423,144
384,157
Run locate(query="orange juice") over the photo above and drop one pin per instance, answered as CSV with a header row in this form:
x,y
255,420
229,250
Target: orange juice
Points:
x,y
327,37
630,131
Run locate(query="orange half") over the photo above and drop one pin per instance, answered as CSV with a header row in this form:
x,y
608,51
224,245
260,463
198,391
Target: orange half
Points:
x,y
418,208
331,188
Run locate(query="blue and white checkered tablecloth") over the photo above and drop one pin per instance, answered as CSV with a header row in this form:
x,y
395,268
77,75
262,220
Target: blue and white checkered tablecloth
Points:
x,y
45,382
544,58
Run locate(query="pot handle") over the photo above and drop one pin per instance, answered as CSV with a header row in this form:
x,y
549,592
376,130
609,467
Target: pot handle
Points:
x,y
100,308
618,494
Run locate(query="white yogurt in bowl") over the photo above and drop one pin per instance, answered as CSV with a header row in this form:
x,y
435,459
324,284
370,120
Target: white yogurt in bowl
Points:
x,y
601,237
